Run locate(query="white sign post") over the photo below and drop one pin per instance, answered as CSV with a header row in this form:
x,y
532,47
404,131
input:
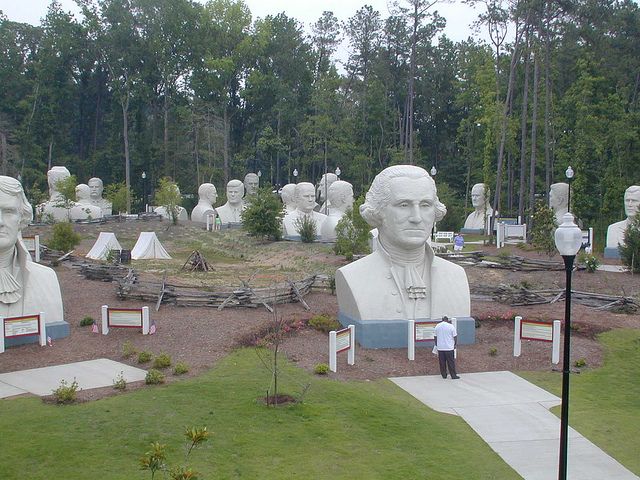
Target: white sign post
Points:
x,y
12,327
537,331
125,318
339,341
33,245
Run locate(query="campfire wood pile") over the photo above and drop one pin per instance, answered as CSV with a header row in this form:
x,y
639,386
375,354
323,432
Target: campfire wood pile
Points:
x,y
196,263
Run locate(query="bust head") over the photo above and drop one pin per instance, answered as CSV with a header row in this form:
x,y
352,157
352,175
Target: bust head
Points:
x,y
235,192
83,193
631,200
207,193
251,183
341,195
478,196
324,183
288,195
95,188
559,197
402,203
305,195
16,212
54,176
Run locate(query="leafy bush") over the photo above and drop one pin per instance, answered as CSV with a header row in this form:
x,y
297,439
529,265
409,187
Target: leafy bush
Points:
x,y
66,393
128,350
544,226
154,377
630,250
590,262
116,193
86,321
324,323
455,208
493,351
144,357
263,216
162,361
352,232
63,238
119,383
306,227
321,369
180,368
581,362
168,196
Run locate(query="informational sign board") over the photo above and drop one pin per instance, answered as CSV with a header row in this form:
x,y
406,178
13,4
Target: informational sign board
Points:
x,y
13,327
424,331
125,318
539,332
531,330
339,341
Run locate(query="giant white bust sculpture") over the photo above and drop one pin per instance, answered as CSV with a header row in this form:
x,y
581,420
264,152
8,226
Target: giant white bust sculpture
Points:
x,y
54,206
231,211
96,188
251,184
305,197
559,200
84,209
341,199
288,196
26,287
323,187
207,196
402,280
615,232
478,219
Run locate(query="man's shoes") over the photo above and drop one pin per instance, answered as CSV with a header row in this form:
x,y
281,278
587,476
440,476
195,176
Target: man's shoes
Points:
x,y
444,376
455,378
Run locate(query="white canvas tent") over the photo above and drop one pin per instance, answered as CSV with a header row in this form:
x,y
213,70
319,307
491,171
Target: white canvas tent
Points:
x,y
106,242
148,246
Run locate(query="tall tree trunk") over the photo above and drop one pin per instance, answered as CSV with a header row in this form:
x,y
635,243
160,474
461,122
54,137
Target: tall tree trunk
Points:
x,y
225,153
50,155
124,102
4,156
165,136
534,134
548,160
523,130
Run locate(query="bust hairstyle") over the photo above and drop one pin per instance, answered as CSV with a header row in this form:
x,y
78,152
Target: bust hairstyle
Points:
x,y
235,183
96,180
82,192
207,190
339,191
11,186
561,190
55,175
379,193
633,189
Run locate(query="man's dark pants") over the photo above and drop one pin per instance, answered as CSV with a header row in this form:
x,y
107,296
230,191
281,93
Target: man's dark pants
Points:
x,y
445,358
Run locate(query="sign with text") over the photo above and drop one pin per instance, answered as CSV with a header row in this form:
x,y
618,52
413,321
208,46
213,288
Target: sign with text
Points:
x,y
424,331
339,341
537,331
125,318
531,330
26,325
343,340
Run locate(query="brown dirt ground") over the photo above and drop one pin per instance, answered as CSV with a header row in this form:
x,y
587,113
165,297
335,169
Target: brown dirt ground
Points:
x,y
200,336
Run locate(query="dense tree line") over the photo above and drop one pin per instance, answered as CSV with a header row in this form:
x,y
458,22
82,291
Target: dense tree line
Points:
x,y
204,93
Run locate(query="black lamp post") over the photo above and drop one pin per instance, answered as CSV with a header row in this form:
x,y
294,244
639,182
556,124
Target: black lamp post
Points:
x,y
568,238
569,174
433,173
144,191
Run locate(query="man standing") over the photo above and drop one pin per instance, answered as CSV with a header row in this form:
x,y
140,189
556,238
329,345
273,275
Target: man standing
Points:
x,y
446,339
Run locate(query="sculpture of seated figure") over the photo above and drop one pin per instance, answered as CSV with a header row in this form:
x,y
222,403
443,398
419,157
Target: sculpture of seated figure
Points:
x,y
54,207
96,188
559,200
305,198
231,212
251,184
26,288
479,218
84,209
403,279
323,187
615,232
288,196
341,199
207,196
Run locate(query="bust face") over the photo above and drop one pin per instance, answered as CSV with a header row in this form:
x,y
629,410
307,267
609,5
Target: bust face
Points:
x,y
557,201
477,196
234,194
9,221
83,193
306,197
251,183
95,188
631,203
408,217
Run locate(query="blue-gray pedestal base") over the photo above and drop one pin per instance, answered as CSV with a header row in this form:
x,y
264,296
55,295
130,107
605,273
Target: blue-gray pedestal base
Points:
x,y
611,252
54,330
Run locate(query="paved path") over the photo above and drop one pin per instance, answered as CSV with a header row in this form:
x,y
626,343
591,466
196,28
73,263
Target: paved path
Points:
x,y
512,416
612,268
90,374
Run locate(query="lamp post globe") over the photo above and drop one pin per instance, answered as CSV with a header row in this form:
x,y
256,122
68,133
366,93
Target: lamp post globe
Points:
x,y
569,173
433,171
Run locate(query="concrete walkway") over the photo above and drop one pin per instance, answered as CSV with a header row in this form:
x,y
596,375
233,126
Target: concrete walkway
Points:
x,y
90,374
612,268
512,416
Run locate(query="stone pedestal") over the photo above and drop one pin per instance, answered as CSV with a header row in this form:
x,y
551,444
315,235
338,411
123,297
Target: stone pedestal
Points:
x,y
54,330
611,252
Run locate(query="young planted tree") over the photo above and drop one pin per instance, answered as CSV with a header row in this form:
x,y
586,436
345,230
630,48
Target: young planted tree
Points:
x,y
263,215
168,196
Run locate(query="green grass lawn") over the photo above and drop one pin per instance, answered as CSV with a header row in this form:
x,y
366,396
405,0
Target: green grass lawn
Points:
x,y
371,430
604,404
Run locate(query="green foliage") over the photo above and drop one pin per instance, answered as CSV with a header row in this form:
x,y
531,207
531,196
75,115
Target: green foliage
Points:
x,y
324,323
580,363
263,215
67,189
168,196
63,238
321,369
119,383
493,351
116,193
630,250
544,226
590,262
154,459
162,361
181,368
144,357
306,227
86,321
352,232
66,392
455,216
128,349
154,377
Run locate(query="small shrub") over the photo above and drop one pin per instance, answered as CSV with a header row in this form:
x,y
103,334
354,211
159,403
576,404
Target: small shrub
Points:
x,y
590,262
154,377
324,323
144,357
66,392
306,227
581,362
493,351
86,321
544,226
180,368
183,473
63,238
128,350
352,232
162,361
263,216
321,369
630,249
119,383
